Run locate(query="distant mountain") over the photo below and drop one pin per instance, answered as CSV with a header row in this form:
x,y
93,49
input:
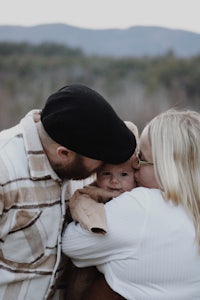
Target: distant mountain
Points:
x,y
135,41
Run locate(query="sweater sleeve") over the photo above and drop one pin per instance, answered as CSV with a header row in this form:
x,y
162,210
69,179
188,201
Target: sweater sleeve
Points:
x,y
126,218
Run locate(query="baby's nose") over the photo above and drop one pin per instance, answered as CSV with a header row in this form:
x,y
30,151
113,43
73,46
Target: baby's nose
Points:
x,y
114,179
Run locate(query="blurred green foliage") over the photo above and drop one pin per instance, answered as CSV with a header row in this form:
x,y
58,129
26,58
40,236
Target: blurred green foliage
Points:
x,y
138,88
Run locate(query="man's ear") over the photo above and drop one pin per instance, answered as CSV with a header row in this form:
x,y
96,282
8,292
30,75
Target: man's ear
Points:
x,y
64,153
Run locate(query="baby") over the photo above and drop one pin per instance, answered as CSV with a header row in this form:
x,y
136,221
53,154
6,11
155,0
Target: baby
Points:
x,y
116,178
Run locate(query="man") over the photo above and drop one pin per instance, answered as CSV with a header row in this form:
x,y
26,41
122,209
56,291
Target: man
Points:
x,y
70,138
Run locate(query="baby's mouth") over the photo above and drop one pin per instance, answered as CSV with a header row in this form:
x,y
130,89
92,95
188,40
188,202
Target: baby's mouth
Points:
x,y
115,190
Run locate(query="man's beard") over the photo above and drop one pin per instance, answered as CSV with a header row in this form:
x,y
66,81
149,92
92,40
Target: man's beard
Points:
x,y
76,170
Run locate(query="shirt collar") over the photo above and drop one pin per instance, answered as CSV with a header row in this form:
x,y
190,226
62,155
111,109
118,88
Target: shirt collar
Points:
x,y
38,162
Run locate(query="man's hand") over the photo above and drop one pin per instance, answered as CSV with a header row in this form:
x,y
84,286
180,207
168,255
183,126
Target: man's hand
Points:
x,y
98,194
89,213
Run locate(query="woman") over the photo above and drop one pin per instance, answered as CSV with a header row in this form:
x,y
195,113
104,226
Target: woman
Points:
x,y
152,247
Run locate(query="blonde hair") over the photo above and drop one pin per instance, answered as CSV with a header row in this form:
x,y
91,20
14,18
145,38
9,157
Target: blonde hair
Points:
x,y
175,140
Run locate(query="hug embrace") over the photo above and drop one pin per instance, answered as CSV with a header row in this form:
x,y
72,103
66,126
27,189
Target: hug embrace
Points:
x,y
64,198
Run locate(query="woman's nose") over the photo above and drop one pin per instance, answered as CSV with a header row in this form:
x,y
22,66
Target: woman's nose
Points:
x,y
135,164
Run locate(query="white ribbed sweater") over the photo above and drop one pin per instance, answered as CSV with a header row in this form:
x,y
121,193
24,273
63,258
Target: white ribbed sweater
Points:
x,y
149,252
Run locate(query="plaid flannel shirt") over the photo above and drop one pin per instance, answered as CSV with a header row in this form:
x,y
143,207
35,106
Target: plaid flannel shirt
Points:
x,y
32,214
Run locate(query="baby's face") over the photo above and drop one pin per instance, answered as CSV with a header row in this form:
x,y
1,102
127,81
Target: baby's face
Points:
x,y
116,178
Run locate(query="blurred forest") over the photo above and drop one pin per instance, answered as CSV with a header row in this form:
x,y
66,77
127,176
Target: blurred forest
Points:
x,y
137,88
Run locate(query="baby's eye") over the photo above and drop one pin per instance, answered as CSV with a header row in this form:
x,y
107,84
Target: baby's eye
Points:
x,y
123,174
106,173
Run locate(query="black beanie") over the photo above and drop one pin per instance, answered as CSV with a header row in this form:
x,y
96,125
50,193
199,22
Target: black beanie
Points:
x,y
80,119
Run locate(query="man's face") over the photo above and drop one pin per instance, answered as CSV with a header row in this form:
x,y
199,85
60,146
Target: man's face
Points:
x,y
80,168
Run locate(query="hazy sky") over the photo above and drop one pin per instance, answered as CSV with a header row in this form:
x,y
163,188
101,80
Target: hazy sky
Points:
x,y
101,14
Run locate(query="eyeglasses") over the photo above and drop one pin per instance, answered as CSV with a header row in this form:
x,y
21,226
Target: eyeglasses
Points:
x,y
143,162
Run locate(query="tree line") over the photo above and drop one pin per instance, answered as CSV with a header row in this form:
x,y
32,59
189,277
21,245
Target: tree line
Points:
x,y
138,88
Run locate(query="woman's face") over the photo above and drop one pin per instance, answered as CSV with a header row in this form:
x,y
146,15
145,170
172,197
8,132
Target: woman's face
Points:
x,y
144,172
